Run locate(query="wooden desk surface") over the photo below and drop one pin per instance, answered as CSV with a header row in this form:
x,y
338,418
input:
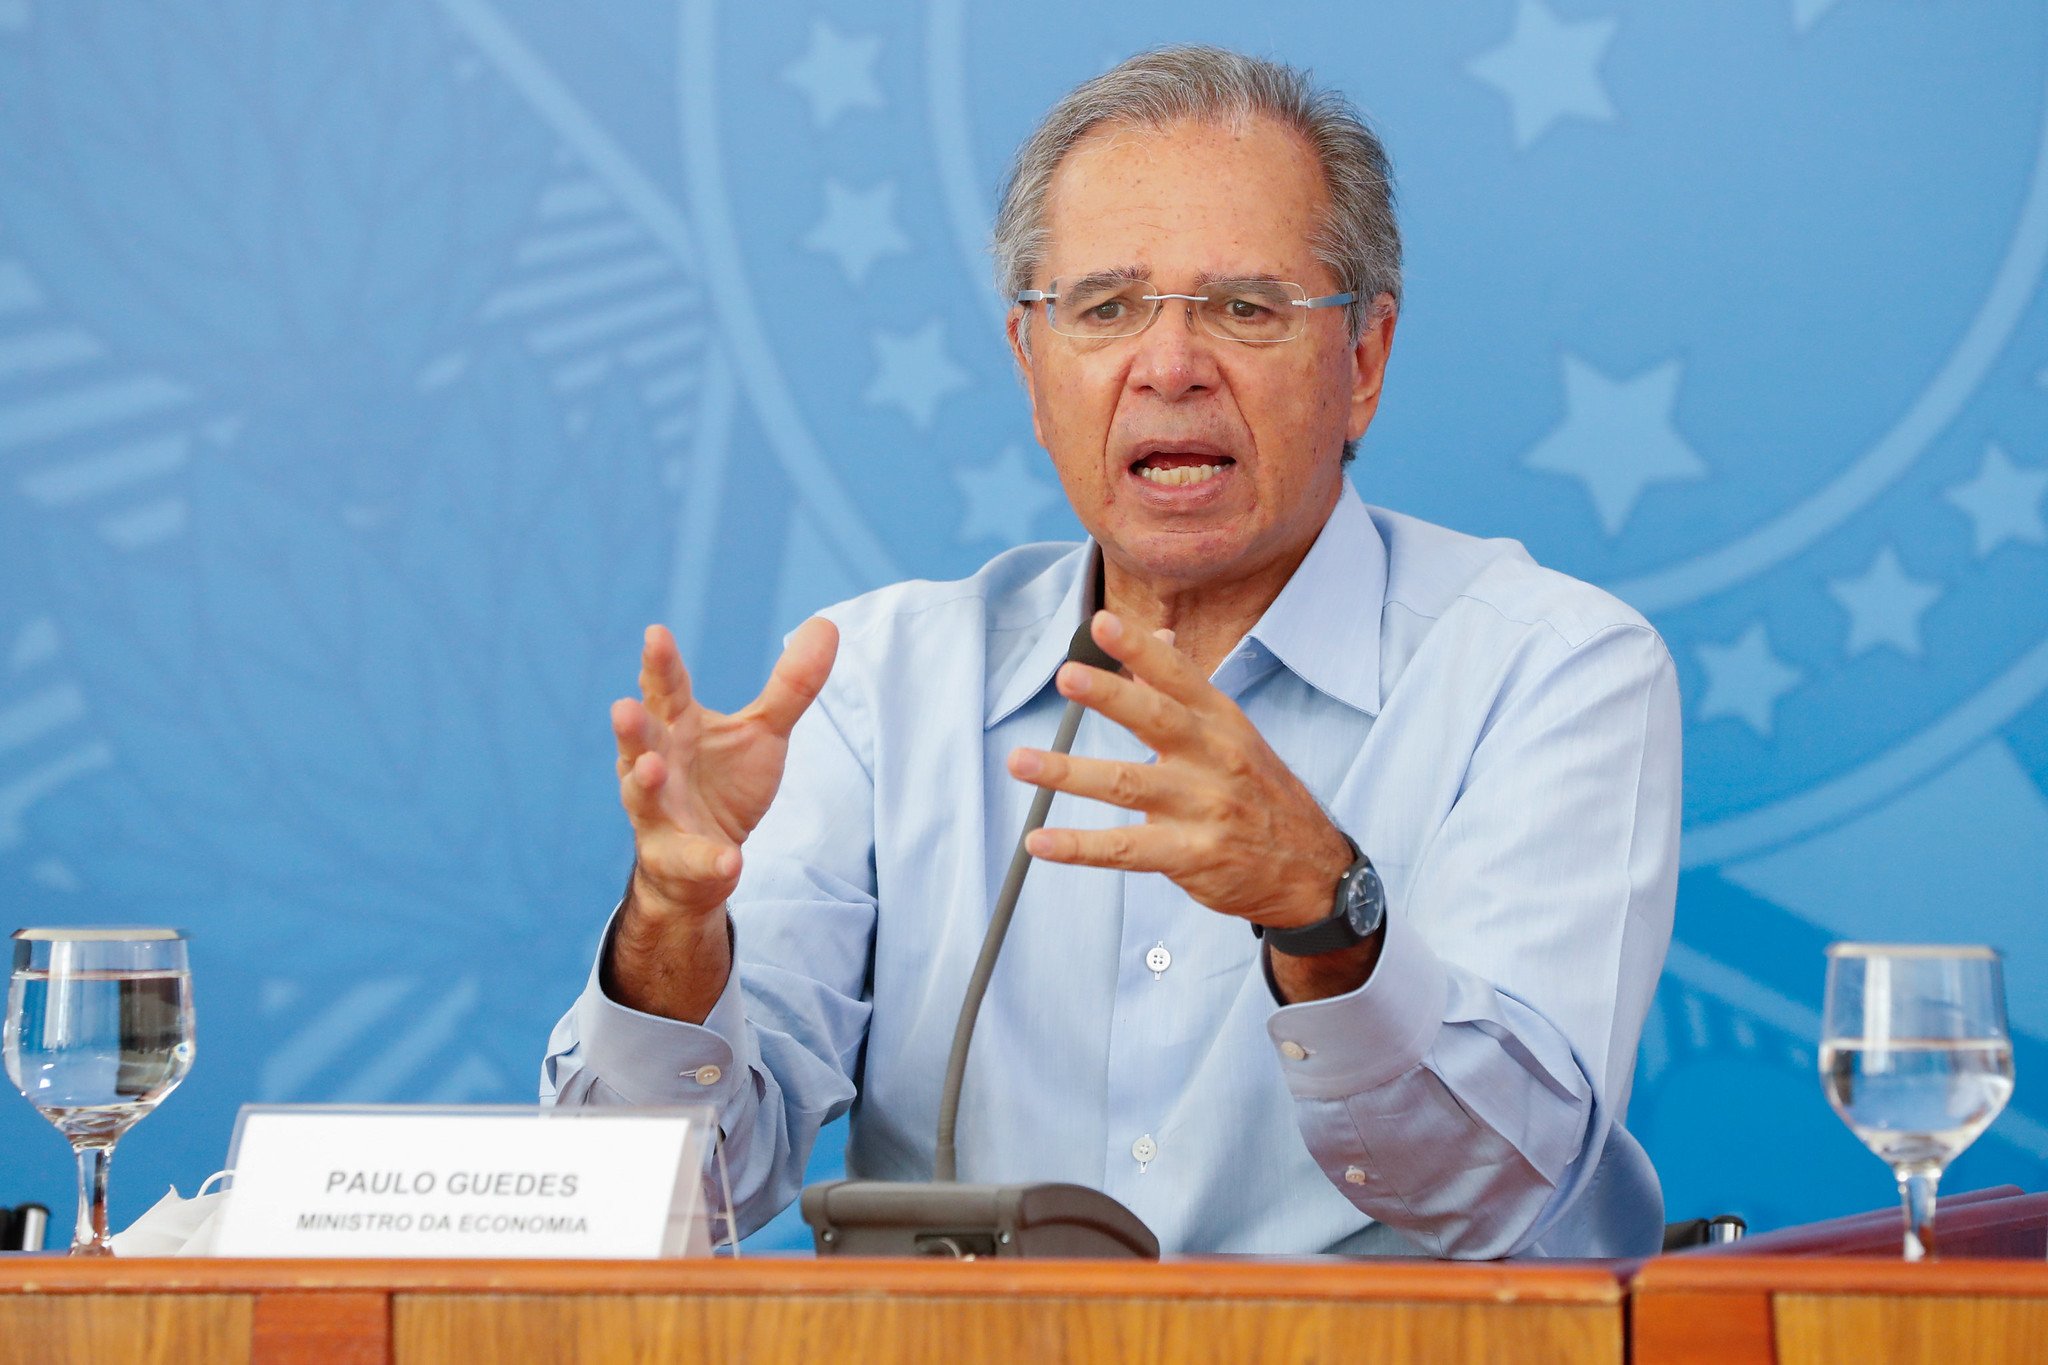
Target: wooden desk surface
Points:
x,y
1737,1310
766,1310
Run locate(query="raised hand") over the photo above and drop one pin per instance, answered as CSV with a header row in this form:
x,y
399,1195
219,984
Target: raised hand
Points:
x,y
695,783
1225,818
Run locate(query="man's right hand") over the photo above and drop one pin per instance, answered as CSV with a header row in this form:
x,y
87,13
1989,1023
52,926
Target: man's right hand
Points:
x,y
695,783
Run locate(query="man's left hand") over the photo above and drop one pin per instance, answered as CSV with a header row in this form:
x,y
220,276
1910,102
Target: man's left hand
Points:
x,y
1224,816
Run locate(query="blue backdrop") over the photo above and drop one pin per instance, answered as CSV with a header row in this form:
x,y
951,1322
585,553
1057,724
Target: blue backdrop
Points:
x,y
371,373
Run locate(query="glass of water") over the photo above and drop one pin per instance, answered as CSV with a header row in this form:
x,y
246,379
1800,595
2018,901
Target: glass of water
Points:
x,y
1916,1059
99,1028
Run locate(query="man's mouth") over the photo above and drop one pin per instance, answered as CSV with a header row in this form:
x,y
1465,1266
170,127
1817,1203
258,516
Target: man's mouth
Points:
x,y
1170,469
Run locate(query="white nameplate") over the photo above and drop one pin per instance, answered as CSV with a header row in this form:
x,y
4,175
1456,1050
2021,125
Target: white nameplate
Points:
x,y
490,1182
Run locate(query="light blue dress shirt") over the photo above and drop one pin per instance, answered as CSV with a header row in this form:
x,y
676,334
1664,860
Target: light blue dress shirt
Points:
x,y
1501,740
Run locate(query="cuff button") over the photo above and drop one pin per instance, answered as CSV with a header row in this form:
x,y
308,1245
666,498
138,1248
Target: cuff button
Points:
x,y
1293,1051
707,1074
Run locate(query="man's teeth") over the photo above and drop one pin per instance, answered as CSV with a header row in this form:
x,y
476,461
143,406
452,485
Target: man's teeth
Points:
x,y
1180,474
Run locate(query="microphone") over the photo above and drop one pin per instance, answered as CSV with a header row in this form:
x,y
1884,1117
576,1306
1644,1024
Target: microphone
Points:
x,y
942,1218
1082,649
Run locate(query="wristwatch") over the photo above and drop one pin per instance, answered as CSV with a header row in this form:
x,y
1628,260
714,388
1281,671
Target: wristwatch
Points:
x,y
1360,909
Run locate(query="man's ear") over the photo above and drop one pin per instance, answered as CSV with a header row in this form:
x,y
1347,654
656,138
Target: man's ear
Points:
x,y
1020,342
1369,363
1017,329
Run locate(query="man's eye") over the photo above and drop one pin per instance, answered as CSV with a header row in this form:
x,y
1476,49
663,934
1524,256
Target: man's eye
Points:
x,y
1108,311
1246,310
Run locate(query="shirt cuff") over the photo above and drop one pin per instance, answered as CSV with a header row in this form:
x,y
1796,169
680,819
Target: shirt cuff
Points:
x,y
652,1060
1330,1049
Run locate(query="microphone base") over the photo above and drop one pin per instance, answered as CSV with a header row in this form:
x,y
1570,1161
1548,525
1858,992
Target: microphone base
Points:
x,y
966,1222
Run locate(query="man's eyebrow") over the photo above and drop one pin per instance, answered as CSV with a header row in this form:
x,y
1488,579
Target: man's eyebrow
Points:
x,y
1096,278
1236,277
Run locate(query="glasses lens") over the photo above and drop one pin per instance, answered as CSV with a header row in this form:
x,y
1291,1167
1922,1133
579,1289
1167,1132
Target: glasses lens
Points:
x,y
1254,310
1099,306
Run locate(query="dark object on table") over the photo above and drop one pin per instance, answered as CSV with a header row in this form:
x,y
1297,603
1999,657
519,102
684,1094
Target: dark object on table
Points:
x,y
885,1218
22,1229
1704,1232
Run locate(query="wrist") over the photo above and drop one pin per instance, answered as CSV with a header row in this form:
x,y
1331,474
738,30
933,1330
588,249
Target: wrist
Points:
x,y
1322,870
650,903
664,959
1299,980
1357,909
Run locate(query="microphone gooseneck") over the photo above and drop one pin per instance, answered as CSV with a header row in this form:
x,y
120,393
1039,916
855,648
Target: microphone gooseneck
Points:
x,y
1082,649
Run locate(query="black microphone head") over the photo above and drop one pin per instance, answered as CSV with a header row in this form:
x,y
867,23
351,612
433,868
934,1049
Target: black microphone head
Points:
x,y
1084,650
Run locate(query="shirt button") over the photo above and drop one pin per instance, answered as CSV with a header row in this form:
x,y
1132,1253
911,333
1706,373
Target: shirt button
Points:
x,y
1144,1149
1353,1176
707,1074
1159,959
1293,1051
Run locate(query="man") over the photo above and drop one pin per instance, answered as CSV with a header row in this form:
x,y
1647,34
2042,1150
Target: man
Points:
x,y
1440,781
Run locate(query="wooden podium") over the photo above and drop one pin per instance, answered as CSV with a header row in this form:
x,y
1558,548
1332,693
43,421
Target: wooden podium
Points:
x,y
1674,1310
1838,1310
1838,1293
54,1311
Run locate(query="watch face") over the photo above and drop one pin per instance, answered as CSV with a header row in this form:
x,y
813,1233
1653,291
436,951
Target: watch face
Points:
x,y
1364,903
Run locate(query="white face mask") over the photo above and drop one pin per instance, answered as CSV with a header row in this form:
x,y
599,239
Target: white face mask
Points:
x,y
176,1226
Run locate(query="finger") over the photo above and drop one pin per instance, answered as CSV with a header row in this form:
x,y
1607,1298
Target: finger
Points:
x,y
1133,786
1155,660
679,863
1131,848
634,730
1162,721
669,852
664,682
799,675
640,784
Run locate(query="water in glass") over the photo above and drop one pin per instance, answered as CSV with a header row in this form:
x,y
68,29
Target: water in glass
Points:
x,y
98,1030
1916,1101
95,1051
1916,1058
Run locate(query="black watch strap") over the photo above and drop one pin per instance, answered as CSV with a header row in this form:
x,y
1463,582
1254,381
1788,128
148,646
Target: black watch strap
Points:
x,y
1335,932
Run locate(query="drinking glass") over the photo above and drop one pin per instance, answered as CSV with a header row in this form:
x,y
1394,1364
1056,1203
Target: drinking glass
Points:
x,y
1916,1059
99,1028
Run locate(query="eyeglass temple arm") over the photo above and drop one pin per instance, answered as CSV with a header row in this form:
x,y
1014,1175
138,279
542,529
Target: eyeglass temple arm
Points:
x,y
1037,296
1326,301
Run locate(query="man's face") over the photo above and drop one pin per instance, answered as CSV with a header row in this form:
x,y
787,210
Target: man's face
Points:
x,y
1179,206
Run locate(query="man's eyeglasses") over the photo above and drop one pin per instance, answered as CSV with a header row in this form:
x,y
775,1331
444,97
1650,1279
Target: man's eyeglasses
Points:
x,y
1100,307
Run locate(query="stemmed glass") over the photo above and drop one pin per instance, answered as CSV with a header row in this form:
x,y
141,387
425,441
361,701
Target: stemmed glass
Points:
x,y
1916,1059
99,1029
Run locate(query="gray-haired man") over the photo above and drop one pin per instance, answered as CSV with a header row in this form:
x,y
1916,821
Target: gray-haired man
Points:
x,y
1347,925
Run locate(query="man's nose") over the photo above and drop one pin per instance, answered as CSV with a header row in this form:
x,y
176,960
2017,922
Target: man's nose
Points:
x,y
1175,357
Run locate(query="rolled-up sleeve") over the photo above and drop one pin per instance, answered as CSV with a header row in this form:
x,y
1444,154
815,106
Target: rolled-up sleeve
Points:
x,y
1467,1093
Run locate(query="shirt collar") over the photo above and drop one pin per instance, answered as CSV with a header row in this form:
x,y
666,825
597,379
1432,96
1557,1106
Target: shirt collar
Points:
x,y
1324,627
1325,624
1049,650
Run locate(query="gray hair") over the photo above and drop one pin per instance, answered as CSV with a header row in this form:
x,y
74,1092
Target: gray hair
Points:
x,y
1359,241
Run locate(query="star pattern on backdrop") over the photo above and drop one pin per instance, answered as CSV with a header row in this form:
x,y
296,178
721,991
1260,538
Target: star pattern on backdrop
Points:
x,y
859,228
1617,438
913,372
1885,605
2003,502
1003,498
1549,69
1745,679
836,73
